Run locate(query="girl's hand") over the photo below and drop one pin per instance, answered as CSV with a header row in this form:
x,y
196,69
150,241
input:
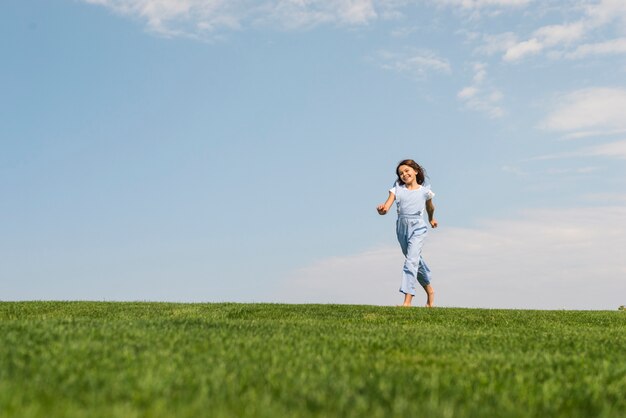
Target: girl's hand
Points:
x,y
384,208
433,223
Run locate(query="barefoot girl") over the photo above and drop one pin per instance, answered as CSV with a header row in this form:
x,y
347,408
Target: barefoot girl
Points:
x,y
412,198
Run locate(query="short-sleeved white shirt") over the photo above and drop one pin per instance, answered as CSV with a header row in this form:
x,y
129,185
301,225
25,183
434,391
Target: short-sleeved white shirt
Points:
x,y
411,202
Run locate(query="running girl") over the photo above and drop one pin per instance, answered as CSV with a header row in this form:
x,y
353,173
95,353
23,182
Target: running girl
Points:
x,y
412,198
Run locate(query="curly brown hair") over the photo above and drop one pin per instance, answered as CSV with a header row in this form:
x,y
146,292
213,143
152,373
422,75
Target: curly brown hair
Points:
x,y
421,173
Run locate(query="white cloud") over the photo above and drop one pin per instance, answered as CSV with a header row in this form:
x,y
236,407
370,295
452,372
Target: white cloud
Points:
x,y
606,10
357,11
403,32
545,37
515,170
480,72
477,4
570,171
613,46
468,93
560,34
480,96
616,149
179,17
585,134
415,64
569,258
294,14
560,40
522,49
591,109
201,17
493,44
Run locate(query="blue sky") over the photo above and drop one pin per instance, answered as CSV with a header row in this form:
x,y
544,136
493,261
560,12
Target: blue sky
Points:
x,y
201,150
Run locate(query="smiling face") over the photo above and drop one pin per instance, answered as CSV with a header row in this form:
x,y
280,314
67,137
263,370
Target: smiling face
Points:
x,y
407,174
412,171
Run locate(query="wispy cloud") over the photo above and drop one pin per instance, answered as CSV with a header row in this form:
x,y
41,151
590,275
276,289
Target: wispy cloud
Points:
x,y
599,109
606,11
594,133
206,18
570,39
200,18
171,18
539,259
545,37
478,4
413,63
480,96
571,171
522,49
494,44
612,47
616,149
560,34
588,113
613,149
294,14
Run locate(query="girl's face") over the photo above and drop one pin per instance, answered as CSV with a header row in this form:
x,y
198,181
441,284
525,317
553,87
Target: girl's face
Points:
x,y
407,174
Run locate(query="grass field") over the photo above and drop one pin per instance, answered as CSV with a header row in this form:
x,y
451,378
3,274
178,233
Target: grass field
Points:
x,y
75,359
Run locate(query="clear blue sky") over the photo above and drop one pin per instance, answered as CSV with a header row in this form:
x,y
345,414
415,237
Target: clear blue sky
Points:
x,y
202,150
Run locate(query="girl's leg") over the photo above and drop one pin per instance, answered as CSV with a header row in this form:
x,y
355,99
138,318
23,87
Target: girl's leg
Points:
x,y
423,277
411,236
407,299
409,271
430,292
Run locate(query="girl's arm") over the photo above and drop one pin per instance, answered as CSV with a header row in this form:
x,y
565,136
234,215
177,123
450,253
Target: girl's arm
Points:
x,y
382,209
430,209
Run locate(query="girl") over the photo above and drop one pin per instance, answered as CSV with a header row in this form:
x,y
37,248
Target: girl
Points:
x,y
412,197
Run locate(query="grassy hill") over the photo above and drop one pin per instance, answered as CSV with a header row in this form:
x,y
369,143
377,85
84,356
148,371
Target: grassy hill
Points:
x,y
75,359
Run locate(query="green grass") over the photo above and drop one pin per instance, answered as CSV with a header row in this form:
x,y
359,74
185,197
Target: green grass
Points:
x,y
74,359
